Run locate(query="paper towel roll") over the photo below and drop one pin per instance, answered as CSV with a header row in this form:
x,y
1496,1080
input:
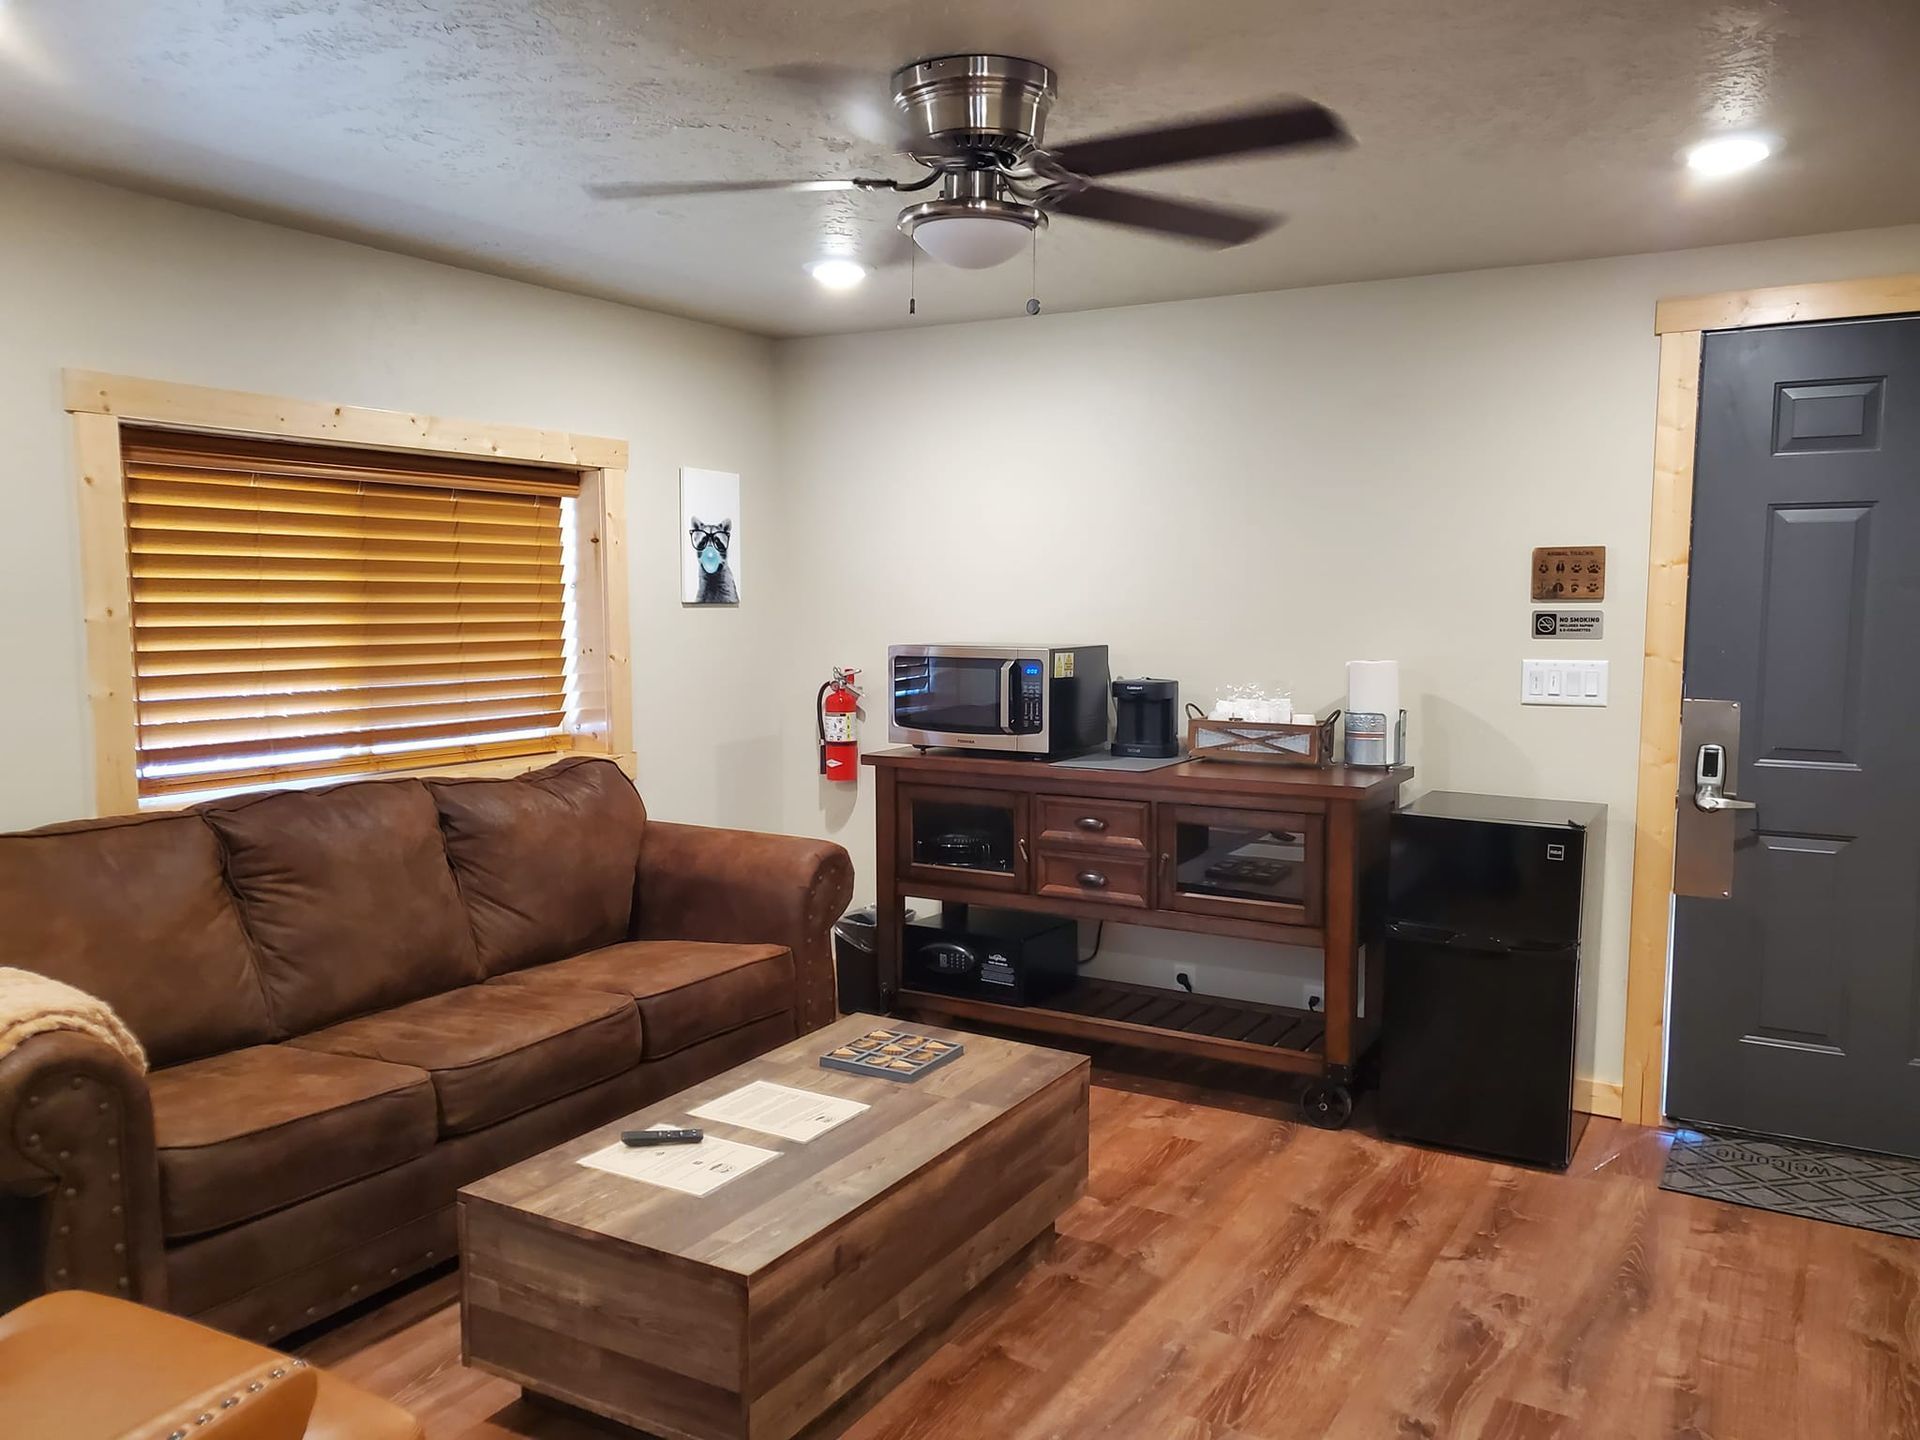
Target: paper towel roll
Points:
x,y
1373,687
1373,712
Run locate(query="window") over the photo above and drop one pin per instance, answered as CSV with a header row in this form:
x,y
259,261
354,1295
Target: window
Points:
x,y
293,611
303,610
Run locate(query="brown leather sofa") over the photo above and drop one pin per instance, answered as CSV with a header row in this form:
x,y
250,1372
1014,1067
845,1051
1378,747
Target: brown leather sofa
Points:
x,y
356,1000
83,1367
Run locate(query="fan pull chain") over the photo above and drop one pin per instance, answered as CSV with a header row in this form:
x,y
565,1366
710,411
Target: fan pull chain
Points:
x,y
913,276
1033,278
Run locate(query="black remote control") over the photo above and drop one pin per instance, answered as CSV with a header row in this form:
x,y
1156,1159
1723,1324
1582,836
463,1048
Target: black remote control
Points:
x,y
638,1138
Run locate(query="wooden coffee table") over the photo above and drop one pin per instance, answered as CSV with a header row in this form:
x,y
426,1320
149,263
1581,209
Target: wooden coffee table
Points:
x,y
747,1313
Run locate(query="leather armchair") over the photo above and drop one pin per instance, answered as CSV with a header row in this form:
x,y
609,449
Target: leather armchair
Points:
x,y
86,1367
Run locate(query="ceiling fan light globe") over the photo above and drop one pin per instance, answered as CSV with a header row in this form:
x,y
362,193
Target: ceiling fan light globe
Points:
x,y
971,242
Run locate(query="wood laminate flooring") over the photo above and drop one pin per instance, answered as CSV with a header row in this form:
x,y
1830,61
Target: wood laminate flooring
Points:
x,y
1233,1275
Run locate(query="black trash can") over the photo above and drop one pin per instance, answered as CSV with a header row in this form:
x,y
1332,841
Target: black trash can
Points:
x,y
856,962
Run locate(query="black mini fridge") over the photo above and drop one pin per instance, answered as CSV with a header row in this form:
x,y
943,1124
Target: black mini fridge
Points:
x,y
1490,900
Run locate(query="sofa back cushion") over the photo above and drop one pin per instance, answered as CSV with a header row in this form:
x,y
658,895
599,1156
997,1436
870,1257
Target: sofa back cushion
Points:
x,y
348,897
134,910
546,861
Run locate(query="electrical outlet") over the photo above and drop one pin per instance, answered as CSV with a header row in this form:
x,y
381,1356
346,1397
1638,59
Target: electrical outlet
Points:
x,y
1314,997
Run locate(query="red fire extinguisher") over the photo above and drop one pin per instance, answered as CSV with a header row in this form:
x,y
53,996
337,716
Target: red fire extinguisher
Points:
x,y
836,709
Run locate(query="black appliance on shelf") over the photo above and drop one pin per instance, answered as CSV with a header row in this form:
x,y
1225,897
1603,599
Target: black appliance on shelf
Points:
x,y
1146,718
963,850
1490,901
1003,955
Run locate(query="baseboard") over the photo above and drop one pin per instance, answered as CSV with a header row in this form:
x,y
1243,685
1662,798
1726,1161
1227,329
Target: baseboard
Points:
x,y
1597,1097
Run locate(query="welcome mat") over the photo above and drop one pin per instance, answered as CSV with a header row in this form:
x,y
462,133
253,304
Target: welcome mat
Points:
x,y
1845,1187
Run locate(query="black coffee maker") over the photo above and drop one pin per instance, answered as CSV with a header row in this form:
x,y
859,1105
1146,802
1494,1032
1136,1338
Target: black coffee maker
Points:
x,y
1146,718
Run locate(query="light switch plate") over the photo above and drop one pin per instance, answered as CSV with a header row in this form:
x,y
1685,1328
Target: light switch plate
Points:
x,y
1563,682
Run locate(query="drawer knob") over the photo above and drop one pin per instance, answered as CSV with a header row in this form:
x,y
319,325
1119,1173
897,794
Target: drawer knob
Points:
x,y
1093,879
1091,822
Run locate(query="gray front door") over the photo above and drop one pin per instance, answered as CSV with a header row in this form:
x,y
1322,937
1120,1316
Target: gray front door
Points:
x,y
1796,1003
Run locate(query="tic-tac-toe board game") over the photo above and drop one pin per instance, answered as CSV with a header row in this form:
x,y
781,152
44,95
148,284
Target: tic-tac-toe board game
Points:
x,y
894,1054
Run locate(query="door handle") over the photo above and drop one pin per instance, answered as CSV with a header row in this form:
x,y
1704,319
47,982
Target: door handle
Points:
x,y
1709,781
1711,803
1705,838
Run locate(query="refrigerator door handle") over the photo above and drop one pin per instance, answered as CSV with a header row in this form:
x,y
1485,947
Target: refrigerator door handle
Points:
x,y
1425,934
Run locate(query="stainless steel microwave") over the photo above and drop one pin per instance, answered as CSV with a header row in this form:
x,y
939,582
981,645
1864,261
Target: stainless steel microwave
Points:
x,y
1016,699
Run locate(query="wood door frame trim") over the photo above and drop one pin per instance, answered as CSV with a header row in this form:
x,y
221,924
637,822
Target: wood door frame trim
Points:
x,y
1681,325
101,404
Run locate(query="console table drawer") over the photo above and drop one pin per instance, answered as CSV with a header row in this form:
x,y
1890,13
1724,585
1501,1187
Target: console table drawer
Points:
x,y
1108,878
1073,822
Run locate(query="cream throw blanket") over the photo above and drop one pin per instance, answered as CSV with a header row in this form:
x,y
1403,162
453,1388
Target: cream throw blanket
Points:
x,y
33,1004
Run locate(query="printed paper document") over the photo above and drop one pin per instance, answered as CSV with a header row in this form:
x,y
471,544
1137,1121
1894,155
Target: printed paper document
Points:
x,y
779,1110
691,1169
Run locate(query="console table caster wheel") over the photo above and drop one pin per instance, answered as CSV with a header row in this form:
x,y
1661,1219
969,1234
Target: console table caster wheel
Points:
x,y
1326,1104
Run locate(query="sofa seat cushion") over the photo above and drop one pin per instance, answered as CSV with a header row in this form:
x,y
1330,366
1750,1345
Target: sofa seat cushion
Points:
x,y
494,1051
687,990
251,1131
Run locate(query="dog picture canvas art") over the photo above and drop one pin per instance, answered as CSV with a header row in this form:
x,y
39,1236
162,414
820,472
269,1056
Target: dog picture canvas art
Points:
x,y
710,533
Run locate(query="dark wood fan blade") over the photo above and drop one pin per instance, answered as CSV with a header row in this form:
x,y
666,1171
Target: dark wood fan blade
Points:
x,y
1204,224
1284,127
625,190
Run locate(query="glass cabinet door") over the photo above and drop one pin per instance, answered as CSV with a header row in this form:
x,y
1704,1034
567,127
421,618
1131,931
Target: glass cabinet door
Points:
x,y
976,838
1252,864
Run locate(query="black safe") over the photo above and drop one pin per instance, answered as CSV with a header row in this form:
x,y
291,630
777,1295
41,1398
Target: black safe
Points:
x,y
1002,955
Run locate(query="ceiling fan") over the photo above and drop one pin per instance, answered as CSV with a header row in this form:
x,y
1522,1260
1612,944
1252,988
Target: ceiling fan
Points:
x,y
976,122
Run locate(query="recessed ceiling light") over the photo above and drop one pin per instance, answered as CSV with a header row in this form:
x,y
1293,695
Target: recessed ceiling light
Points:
x,y
1728,154
838,274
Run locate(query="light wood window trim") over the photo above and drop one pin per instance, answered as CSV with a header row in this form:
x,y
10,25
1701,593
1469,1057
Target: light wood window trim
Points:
x,y
101,404
1681,325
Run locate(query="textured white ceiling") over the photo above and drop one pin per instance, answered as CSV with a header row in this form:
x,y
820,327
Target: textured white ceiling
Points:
x,y
1491,132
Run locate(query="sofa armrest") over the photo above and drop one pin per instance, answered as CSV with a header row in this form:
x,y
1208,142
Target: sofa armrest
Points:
x,y
76,1145
745,887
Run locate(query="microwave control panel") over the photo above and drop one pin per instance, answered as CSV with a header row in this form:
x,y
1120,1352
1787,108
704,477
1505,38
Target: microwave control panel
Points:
x,y
1033,689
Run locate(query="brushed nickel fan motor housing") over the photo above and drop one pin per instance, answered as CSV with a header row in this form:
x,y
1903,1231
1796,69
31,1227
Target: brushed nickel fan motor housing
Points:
x,y
963,106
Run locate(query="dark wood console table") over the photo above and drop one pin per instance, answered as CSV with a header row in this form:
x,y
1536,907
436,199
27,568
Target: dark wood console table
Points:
x,y
1180,848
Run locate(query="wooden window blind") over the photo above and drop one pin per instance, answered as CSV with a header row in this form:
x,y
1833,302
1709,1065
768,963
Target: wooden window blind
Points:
x,y
302,610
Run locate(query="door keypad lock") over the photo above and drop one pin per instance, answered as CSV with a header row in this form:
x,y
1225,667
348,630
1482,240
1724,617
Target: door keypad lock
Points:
x,y
1706,826
1710,779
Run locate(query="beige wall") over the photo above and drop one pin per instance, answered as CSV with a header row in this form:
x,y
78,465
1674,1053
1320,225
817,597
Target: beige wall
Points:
x,y
1259,488
102,279
1253,488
